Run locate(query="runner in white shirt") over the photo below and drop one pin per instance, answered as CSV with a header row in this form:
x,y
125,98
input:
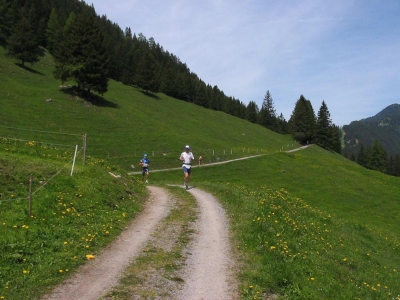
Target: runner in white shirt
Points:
x,y
186,158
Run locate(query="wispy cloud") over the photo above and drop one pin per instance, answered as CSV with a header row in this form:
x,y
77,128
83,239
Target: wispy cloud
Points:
x,y
345,52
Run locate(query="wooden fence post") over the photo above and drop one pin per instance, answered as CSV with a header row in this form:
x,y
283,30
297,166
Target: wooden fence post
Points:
x,y
84,148
30,195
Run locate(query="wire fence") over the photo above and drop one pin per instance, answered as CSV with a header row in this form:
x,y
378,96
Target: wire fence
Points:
x,y
43,184
28,143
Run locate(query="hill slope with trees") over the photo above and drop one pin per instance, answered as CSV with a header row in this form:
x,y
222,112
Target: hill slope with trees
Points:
x,y
374,142
89,50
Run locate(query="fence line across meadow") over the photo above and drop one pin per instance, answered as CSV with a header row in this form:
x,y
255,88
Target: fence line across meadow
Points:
x,y
37,142
41,131
29,198
212,152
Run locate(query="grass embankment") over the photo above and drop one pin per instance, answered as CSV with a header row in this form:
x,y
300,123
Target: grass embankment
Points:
x,y
72,216
310,224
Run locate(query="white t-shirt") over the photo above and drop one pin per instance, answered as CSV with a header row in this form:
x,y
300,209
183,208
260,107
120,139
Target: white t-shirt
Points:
x,y
187,158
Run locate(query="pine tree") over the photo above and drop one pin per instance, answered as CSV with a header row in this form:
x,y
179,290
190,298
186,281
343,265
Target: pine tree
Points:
x,y
251,112
5,20
267,114
362,157
396,165
147,73
81,55
377,158
302,121
201,94
327,134
54,32
22,43
126,56
283,127
324,124
352,157
335,142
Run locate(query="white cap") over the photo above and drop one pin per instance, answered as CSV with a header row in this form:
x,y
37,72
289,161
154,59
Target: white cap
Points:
x,y
187,147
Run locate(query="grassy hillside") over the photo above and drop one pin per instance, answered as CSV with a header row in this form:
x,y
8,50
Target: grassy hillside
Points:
x,y
307,225
123,124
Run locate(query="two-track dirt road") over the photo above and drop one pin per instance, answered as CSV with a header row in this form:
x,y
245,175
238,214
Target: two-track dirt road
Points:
x,y
208,270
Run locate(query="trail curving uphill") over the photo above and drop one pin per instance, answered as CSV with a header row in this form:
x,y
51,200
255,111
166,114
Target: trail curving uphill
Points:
x,y
208,271
220,162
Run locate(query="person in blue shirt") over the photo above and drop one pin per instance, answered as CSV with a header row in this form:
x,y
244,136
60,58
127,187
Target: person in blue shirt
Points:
x,y
145,164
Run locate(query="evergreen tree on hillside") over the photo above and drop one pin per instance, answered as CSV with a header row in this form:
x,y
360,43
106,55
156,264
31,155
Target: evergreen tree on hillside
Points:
x,y
282,124
201,94
54,32
394,165
22,43
302,121
127,59
324,124
5,20
377,158
251,112
362,156
327,134
352,157
147,73
81,55
39,18
267,114
336,139
168,83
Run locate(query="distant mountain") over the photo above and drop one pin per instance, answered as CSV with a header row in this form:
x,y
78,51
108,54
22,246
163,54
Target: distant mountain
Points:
x,y
384,126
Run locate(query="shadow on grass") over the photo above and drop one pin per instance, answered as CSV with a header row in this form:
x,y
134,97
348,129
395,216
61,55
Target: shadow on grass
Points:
x,y
149,94
26,68
93,99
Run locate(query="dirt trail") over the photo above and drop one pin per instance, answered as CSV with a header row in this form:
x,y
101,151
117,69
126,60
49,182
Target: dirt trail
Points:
x,y
208,270
96,277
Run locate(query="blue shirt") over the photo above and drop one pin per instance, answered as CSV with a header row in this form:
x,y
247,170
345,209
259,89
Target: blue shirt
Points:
x,y
145,161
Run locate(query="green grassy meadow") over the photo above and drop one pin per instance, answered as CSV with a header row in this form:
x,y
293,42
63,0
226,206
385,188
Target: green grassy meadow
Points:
x,y
306,225
309,224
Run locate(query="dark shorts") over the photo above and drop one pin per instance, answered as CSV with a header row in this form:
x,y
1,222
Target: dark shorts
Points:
x,y
145,170
186,170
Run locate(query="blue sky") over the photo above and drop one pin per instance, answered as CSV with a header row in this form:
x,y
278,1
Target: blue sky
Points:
x,y
346,52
